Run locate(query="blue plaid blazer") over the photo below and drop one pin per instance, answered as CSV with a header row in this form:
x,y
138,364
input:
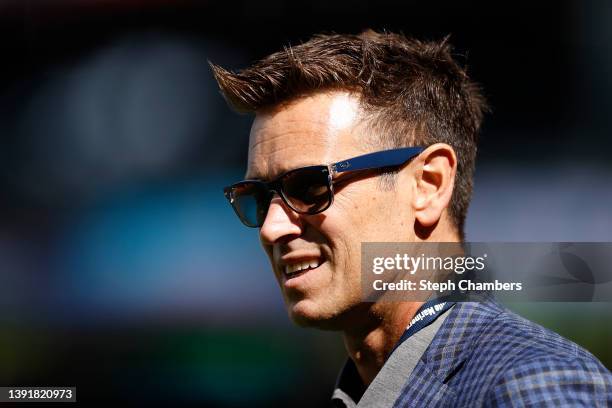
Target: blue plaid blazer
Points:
x,y
485,355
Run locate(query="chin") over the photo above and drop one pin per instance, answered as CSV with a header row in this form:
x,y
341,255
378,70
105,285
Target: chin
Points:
x,y
308,313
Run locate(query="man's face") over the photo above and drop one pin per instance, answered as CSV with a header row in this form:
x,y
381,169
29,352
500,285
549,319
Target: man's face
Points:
x,y
322,129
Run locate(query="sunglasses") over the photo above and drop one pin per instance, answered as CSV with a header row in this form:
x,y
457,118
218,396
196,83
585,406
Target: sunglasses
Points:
x,y
307,190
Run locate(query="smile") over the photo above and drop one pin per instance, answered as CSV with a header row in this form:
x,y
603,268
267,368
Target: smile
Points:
x,y
295,268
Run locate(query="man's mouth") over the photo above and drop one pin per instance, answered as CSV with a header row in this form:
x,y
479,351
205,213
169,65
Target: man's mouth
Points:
x,y
299,264
297,268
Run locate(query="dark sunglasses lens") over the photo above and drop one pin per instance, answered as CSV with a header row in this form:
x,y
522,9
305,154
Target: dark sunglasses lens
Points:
x,y
307,190
251,202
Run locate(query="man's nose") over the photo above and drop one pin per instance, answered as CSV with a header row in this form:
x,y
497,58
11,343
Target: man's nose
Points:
x,y
281,222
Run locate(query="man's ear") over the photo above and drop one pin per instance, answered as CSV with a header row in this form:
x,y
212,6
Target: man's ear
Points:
x,y
435,180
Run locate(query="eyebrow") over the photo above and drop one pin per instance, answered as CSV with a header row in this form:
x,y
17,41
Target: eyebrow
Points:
x,y
253,177
282,171
256,177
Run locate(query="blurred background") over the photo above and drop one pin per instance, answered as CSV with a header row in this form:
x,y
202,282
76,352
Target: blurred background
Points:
x,y
123,271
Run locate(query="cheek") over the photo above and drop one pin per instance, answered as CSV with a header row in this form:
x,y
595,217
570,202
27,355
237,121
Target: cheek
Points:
x,y
381,217
336,228
366,209
364,214
344,228
354,208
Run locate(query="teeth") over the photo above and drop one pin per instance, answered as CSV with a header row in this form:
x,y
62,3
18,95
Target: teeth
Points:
x,y
300,266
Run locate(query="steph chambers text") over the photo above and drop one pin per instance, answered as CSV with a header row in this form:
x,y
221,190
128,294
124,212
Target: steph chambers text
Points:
x,y
448,286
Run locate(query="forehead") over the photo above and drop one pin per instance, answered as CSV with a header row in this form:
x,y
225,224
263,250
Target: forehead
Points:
x,y
317,129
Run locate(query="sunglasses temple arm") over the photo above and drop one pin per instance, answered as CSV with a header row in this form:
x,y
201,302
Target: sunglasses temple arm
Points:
x,y
387,158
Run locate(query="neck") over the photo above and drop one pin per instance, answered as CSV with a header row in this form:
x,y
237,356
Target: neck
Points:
x,y
370,344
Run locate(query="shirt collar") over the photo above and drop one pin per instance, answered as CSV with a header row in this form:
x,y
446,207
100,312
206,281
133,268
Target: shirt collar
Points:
x,y
349,387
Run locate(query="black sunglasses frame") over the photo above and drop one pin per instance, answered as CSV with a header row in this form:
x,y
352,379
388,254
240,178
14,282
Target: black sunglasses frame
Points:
x,y
370,161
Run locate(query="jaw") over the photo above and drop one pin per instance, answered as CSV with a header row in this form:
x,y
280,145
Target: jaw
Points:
x,y
329,316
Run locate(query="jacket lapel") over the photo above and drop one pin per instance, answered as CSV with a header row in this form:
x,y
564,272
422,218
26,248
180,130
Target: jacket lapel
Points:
x,y
449,351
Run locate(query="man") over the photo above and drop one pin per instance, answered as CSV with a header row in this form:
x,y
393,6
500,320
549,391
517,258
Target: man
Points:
x,y
372,138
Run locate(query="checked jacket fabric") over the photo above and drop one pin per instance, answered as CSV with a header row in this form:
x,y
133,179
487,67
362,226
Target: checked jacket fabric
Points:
x,y
486,355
